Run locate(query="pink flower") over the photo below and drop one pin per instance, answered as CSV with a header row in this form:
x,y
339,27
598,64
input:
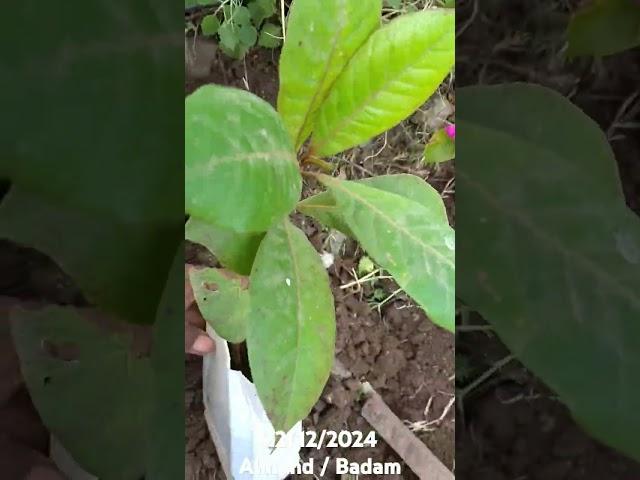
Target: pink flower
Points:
x,y
451,131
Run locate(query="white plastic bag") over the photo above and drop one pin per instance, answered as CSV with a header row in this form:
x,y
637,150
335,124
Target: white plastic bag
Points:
x,y
239,426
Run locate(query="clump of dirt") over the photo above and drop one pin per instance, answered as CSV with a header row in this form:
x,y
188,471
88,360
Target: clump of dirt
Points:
x,y
407,359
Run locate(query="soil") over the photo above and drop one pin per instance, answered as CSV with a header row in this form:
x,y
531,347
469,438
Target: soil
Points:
x,y
512,426
408,360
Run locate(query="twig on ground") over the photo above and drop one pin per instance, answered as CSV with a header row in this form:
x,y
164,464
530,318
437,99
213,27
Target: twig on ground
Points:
x,y
415,453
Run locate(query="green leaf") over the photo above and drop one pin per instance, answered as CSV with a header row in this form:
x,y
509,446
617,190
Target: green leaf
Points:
x,y
405,238
97,252
236,15
365,266
223,301
394,72
166,427
89,384
394,4
248,35
323,206
233,250
261,10
98,162
441,148
95,388
413,188
321,39
270,36
552,261
238,52
605,27
210,25
240,169
242,15
228,35
109,150
291,334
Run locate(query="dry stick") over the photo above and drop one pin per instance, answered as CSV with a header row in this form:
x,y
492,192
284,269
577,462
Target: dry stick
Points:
x,y
283,21
415,453
485,376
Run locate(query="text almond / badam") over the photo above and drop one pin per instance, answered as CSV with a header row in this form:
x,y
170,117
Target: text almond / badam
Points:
x,y
367,467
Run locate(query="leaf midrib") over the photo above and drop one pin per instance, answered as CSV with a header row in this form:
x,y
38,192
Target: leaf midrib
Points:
x,y
547,237
323,77
398,227
296,272
248,156
369,99
526,222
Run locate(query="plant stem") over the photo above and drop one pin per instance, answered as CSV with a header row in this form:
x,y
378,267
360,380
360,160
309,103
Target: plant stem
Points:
x,y
318,162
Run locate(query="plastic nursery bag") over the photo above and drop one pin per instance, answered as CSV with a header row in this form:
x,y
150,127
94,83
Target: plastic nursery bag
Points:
x,y
239,426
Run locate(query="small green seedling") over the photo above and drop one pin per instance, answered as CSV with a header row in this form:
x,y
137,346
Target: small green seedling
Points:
x,y
441,146
238,25
344,78
365,266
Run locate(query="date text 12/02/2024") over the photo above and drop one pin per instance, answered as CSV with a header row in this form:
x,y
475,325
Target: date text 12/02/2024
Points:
x,y
324,438
342,466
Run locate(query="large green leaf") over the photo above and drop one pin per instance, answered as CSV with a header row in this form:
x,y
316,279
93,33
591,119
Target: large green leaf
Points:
x,y
409,240
223,301
605,27
95,388
97,252
233,250
100,136
321,38
323,207
165,433
550,252
389,77
97,147
240,169
291,332
90,384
